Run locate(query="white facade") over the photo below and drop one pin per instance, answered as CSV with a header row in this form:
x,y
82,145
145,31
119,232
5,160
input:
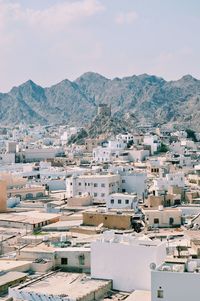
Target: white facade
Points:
x,y
125,137
126,262
39,154
11,147
122,201
102,154
163,183
98,186
134,182
67,134
109,152
12,202
153,141
8,158
173,283
138,155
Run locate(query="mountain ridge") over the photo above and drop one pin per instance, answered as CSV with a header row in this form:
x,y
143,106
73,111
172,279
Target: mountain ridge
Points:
x,y
149,97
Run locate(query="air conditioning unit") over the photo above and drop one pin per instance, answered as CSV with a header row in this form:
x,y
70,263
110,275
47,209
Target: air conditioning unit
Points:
x,y
166,268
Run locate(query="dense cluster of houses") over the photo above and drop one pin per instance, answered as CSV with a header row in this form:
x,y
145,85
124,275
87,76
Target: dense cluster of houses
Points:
x,y
117,217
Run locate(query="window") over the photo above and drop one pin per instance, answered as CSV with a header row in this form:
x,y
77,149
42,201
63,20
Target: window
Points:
x,y
95,194
71,183
64,261
79,184
102,185
88,184
119,201
126,202
103,195
81,259
95,185
80,193
171,221
156,220
112,201
123,181
160,294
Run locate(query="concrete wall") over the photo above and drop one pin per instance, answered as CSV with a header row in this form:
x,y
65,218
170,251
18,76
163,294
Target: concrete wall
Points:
x,y
126,264
110,221
134,182
175,286
79,201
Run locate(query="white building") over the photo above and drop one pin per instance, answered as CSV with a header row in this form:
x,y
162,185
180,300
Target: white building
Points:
x,y
122,201
162,184
138,155
134,181
108,152
126,138
40,154
8,158
99,185
67,134
174,281
125,260
153,142
11,147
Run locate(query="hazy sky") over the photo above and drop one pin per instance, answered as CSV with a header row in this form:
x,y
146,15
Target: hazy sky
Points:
x,y
50,40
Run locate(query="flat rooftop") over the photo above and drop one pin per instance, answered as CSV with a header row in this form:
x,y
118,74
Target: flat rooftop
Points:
x,y
124,212
118,194
11,276
29,217
182,265
71,285
8,265
128,239
53,248
62,225
92,176
139,296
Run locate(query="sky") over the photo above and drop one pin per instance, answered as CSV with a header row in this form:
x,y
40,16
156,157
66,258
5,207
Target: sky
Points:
x,y
51,40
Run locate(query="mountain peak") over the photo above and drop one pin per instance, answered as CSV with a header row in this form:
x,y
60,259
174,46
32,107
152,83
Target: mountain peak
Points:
x,y
91,76
188,78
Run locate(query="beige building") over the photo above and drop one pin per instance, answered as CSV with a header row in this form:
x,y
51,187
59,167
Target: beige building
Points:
x,y
57,254
193,197
110,220
10,279
27,192
167,200
163,217
60,286
28,220
3,196
91,143
82,200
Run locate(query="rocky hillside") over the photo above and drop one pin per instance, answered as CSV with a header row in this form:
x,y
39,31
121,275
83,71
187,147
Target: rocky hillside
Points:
x,y
145,98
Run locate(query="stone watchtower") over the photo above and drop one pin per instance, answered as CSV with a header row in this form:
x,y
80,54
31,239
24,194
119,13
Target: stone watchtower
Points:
x,y
104,109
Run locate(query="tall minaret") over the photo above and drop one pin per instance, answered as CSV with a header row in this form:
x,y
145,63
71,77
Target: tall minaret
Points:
x,y
3,196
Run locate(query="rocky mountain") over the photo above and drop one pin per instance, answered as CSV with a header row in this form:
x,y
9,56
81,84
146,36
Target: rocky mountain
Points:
x,y
144,99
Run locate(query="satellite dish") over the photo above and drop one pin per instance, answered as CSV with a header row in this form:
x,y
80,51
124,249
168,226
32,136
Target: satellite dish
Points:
x,y
152,266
